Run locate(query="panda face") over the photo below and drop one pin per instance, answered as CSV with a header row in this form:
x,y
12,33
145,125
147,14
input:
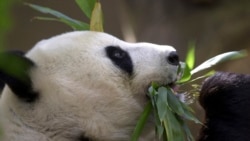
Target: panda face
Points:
x,y
87,85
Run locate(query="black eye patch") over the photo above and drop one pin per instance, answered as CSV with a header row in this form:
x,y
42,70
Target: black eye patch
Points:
x,y
120,58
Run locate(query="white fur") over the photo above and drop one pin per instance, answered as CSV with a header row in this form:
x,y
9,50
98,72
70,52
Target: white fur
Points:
x,y
82,91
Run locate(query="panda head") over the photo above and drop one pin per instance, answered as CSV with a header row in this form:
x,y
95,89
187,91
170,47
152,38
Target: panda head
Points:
x,y
82,85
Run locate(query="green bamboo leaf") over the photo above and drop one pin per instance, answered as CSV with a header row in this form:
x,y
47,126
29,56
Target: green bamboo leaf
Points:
x,y
86,6
168,126
185,128
5,20
174,103
219,59
161,102
14,66
173,127
159,130
152,90
141,122
181,68
75,24
188,114
153,94
96,21
212,72
47,19
190,59
155,85
158,123
186,75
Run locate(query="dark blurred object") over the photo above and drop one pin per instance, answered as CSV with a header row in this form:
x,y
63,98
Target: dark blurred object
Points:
x,y
225,98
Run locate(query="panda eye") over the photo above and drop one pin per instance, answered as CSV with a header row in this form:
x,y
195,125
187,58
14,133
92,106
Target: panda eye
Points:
x,y
120,58
119,54
115,53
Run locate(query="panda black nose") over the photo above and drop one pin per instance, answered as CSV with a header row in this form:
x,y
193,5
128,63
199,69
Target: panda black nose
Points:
x,y
173,58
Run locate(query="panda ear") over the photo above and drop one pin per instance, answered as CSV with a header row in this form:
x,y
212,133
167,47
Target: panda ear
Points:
x,y
14,71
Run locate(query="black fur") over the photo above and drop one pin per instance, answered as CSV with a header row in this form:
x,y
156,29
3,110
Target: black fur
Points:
x,y
120,58
225,98
2,84
14,71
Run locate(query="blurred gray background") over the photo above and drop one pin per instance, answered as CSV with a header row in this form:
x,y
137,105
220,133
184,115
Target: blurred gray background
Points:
x,y
216,26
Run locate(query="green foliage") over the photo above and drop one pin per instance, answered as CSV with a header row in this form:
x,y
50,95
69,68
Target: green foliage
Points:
x,y
86,6
140,124
73,23
14,66
185,68
91,8
187,72
219,59
170,115
190,59
5,20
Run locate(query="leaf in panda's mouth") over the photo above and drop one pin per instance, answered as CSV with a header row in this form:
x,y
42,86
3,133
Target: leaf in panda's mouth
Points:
x,y
170,115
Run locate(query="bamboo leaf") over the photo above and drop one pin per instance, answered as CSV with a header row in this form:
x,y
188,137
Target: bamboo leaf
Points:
x,y
161,103
188,114
168,126
186,76
190,59
75,24
83,26
185,129
173,128
86,6
169,113
5,20
174,103
96,22
203,76
181,68
219,59
188,132
141,122
153,95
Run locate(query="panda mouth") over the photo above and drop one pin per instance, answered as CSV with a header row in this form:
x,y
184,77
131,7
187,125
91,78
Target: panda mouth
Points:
x,y
173,86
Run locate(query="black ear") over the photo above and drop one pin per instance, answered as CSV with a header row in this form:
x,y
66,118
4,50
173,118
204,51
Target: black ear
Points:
x,y
14,71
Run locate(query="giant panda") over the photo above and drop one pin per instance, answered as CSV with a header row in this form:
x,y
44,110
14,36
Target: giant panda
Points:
x,y
81,86
225,98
